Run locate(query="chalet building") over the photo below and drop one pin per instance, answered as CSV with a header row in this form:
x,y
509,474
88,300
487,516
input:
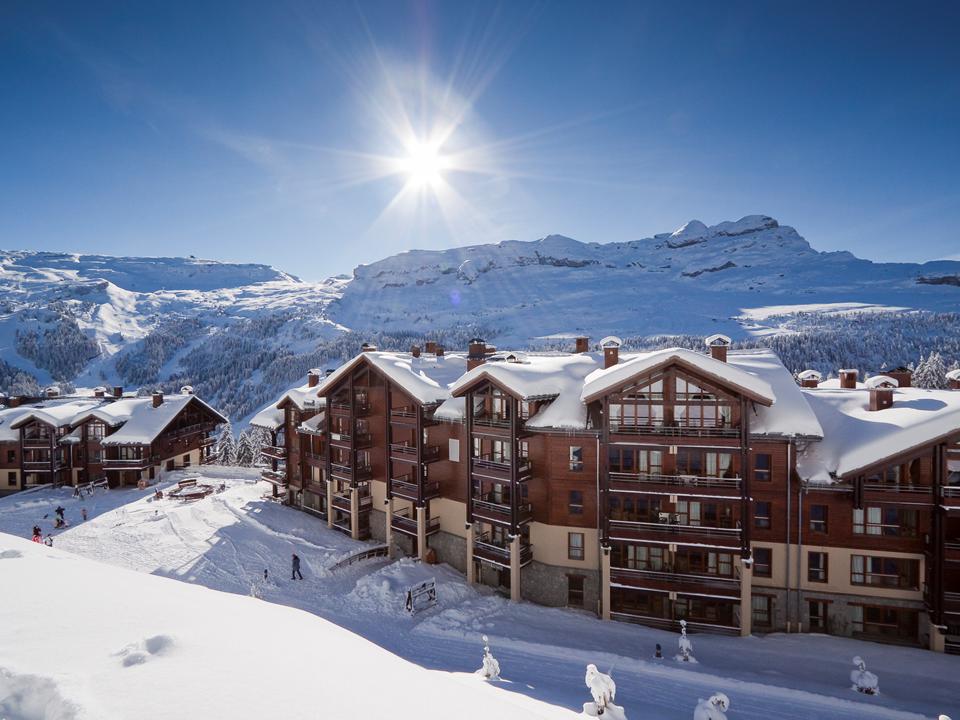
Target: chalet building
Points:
x,y
648,487
123,440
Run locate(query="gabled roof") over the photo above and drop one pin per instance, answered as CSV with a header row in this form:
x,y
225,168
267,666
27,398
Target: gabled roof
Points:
x,y
426,379
856,437
270,417
146,422
302,397
603,381
56,415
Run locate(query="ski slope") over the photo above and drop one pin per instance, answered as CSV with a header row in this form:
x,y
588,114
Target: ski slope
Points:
x,y
225,541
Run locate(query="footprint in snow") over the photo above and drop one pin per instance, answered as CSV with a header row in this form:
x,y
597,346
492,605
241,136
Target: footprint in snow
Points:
x,y
10,554
140,652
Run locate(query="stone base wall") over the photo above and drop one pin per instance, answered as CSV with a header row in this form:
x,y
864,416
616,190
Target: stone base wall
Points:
x,y
378,525
547,585
451,549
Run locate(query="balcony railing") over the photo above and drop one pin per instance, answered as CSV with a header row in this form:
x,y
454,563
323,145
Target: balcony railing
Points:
x,y
678,581
675,430
901,488
189,430
275,477
404,522
676,533
499,554
345,472
341,501
500,467
115,463
408,451
274,451
678,481
360,409
951,491
406,488
499,512
315,459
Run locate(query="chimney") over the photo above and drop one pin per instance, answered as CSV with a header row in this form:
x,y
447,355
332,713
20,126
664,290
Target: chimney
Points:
x,y
477,354
368,347
313,378
718,345
438,350
99,392
953,379
14,401
809,378
415,351
186,390
611,350
583,344
848,379
118,391
431,346
52,391
903,375
157,399
880,398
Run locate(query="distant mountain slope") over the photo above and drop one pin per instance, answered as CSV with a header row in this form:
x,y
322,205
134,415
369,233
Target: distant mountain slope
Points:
x,y
240,332
694,280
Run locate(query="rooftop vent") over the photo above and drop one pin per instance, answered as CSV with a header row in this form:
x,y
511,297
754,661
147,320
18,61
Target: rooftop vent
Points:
x,y
881,381
368,347
611,350
583,344
430,347
118,391
52,391
809,378
438,350
848,379
415,351
186,390
718,344
881,398
157,399
902,374
313,377
99,391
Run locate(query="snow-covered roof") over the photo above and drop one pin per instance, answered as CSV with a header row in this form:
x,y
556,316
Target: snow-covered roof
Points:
x,y
810,375
954,374
111,413
427,379
879,381
834,384
303,397
56,415
854,437
603,381
269,417
145,422
717,340
555,376
9,416
790,415
314,424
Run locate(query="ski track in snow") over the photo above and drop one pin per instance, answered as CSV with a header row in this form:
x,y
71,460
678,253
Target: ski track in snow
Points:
x,y
225,541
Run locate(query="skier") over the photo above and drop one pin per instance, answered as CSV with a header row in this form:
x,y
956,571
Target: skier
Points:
x,y
37,530
37,538
83,514
295,571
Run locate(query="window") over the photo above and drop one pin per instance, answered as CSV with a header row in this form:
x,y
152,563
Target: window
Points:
x,y
11,456
762,463
453,450
637,557
762,607
11,478
704,563
885,621
575,506
818,518
818,615
576,458
633,461
705,464
127,452
575,546
886,521
761,515
95,430
885,572
817,567
575,590
762,562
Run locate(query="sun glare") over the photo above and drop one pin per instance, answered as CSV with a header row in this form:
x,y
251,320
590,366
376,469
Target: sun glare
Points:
x,y
424,164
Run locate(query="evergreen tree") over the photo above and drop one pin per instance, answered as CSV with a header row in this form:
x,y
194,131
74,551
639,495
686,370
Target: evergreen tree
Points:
x,y
226,446
260,437
931,372
245,450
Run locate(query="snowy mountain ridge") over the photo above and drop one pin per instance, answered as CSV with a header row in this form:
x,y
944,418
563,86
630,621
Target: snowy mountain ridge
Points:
x,y
240,332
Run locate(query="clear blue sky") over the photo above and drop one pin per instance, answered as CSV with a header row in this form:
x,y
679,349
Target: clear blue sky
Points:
x,y
253,131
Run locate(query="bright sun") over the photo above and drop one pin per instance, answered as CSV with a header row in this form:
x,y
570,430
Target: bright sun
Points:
x,y
424,164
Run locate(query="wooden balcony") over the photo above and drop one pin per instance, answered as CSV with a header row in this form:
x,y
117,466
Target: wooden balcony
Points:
x,y
497,554
405,522
36,442
951,552
358,441
188,430
208,441
499,513
315,459
404,487
341,501
675,431
496,469
407,415
406,452
130,464
665,581
951,604
274,477
346,472
359,409
897,493
661,533
951,495
676,484
275,452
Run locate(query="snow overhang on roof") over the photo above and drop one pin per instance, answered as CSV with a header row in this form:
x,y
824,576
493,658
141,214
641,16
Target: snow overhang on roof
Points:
x,y
602,382
881,381
59,415
146,422
810,375
426,379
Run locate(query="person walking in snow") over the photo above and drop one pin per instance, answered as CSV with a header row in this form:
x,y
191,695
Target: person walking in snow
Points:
x,y
265,574
296,568
83,514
